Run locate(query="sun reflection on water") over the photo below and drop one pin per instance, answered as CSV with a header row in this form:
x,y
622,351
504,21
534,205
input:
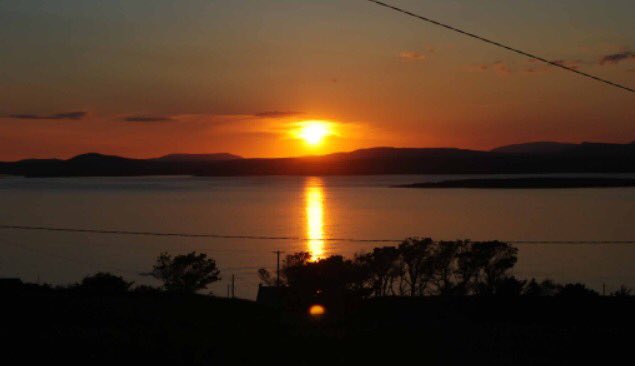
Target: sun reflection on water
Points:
x,y
314,196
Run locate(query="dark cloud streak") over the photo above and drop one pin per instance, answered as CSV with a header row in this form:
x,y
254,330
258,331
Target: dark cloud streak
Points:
x,y
276,114
148,119
616,58
56,116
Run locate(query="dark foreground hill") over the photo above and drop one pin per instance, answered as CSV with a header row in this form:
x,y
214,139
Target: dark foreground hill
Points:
x,y
159,329
582,158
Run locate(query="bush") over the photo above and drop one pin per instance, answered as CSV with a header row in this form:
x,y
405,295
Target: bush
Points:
x,y
104,283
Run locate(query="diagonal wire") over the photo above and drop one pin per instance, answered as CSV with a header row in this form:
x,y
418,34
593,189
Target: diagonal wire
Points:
x,y
190,235
281,238
500,45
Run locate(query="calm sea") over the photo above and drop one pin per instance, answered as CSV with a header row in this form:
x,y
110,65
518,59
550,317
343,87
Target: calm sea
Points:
x,y
363,207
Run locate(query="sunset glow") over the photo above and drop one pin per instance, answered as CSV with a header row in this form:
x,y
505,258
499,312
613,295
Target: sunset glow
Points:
x,y
249,182
285,89
314,132
314,197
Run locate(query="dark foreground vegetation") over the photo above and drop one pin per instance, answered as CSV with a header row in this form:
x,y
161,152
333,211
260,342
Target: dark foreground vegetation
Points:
x,y
527,183
54,325
422,302
418,267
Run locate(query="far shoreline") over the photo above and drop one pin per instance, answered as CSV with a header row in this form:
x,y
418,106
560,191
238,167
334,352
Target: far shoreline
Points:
x,y
526,183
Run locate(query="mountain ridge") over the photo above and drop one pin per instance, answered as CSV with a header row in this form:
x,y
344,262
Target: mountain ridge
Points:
x,y
195,157
520,158
537,147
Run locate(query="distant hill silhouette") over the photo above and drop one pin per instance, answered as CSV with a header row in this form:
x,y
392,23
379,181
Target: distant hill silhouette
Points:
x,y
198,157
523,183
525,158
542,147
95,158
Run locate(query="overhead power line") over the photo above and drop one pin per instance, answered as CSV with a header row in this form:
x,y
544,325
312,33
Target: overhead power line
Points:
x,y
190,235
500,45
281,238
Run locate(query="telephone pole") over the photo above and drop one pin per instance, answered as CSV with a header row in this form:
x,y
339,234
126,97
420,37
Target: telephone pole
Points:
x,y
277,252
233,285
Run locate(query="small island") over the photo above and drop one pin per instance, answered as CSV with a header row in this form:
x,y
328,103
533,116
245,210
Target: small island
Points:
x,y
527,183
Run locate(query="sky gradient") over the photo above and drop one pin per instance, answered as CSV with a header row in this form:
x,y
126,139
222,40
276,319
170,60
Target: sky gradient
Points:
x,y
148,78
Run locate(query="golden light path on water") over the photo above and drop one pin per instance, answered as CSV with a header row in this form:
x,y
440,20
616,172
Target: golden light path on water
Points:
x,y
314,197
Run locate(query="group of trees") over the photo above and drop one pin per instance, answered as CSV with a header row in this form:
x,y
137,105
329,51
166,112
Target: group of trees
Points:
x,y
187,273
417,267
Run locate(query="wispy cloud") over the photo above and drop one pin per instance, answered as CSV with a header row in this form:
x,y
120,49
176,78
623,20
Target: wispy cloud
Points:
x,y
499,67
148,118
538,66
276,114
572,64
56,116
616,58
412,56
209,117
503,68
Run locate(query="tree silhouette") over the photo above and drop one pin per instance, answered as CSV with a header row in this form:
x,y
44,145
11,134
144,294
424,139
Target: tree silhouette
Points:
x,y
330,276
576,290
496,259
417,258
544,288
444,266
265,277
333,280
481,265
380,268
508,286
623,291
104,283
186,273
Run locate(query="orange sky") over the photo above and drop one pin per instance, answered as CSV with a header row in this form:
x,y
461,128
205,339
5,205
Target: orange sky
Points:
x,y
202,77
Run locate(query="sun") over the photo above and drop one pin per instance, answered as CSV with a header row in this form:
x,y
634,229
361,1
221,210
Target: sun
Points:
x,y
314,132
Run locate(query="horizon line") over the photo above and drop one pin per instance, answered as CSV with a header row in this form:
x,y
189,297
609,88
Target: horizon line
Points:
x,y
241,157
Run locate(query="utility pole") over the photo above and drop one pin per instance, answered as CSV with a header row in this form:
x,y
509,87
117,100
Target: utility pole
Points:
x,y
278,267
233,285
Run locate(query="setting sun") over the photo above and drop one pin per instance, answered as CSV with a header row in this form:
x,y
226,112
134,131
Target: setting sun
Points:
x,y
314,132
